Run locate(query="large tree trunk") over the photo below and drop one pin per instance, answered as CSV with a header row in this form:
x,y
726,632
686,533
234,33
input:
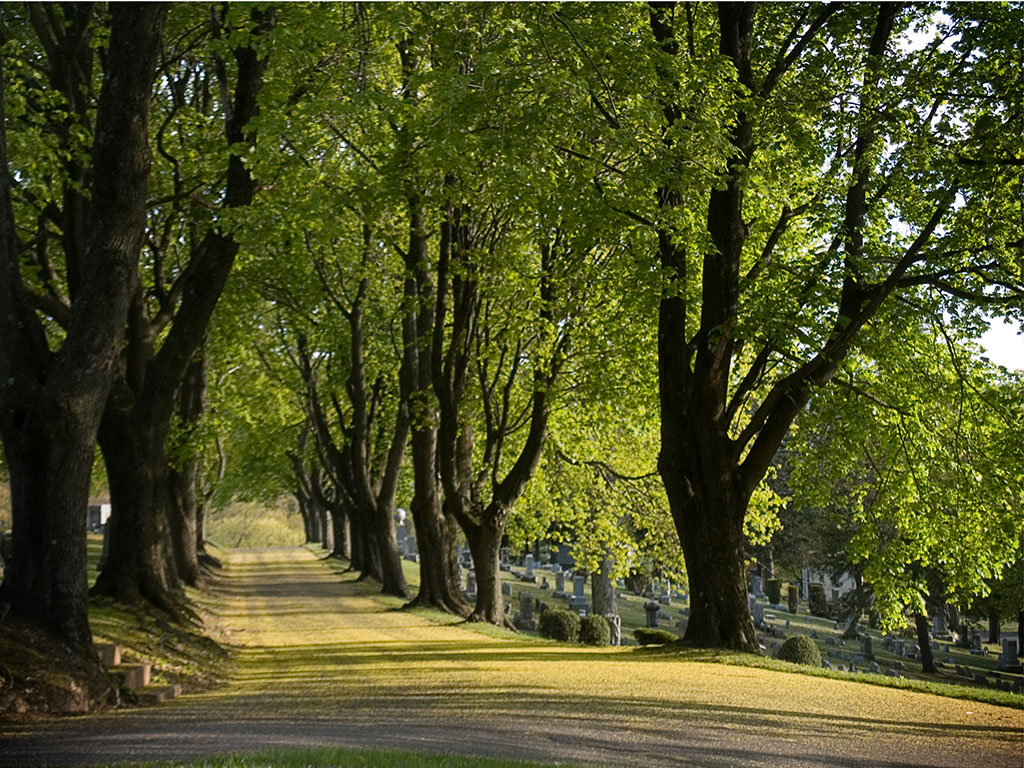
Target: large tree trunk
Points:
x,y
602,590
485,544
49,448
183,479
436,533
719,612
342,534
51,404
140,561
392,578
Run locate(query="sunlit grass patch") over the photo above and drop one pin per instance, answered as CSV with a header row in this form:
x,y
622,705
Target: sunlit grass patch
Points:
x,y
343,758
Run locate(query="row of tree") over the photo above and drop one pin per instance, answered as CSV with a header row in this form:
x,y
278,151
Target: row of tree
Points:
x,y
501,260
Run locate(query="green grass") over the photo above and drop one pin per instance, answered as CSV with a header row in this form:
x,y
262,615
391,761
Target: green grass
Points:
x,y
633,616
342,758
949,690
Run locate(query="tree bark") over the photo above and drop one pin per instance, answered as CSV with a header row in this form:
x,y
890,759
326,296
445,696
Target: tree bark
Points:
x,y
995,626
140,563
183,477
602,589
924,642
485,545
51,403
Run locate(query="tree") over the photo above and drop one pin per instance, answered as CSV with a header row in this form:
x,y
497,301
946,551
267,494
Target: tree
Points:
x,y
133,434
768,299
52,401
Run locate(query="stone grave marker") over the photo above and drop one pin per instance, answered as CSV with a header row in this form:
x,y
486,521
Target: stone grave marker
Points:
x,y
524,619
559,584
755,586
1008,658
651,607
865,647
578,601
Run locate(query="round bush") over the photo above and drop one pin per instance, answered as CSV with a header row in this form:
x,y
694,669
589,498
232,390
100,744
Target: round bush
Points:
x,y
799,650
559,624
594,630
654,636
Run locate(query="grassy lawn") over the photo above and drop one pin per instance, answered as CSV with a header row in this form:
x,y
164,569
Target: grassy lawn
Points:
x,y
631,611
343,758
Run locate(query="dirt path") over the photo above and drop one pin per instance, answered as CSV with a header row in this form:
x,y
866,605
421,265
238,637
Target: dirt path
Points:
x,y
320,663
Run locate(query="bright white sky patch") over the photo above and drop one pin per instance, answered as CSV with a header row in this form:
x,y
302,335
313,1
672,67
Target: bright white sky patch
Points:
x,y
1004,344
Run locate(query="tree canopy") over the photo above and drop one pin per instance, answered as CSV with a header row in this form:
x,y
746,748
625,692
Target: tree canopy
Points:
x,y
569,271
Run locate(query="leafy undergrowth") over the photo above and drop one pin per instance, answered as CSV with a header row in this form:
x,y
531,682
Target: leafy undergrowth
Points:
x,y
343,758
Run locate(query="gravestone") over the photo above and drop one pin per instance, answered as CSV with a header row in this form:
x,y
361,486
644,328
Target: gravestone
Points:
x,y
505,564
529,575
524,619
471,583
577,600
758,615
506,589
939,624
544,583
1008,658
874,668
755,586
866,647
559,584
793,598
651,607
410,549
976,642
400,537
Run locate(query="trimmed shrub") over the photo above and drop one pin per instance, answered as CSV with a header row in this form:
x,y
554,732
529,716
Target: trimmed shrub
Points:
x,y
800,650
793,594
817,604
559,624
654,636
773,590
594,630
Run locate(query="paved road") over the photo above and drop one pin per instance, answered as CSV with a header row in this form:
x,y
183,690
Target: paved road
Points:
x,y
322,664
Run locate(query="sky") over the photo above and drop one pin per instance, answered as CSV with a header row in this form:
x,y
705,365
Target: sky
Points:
x,y
1004,344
